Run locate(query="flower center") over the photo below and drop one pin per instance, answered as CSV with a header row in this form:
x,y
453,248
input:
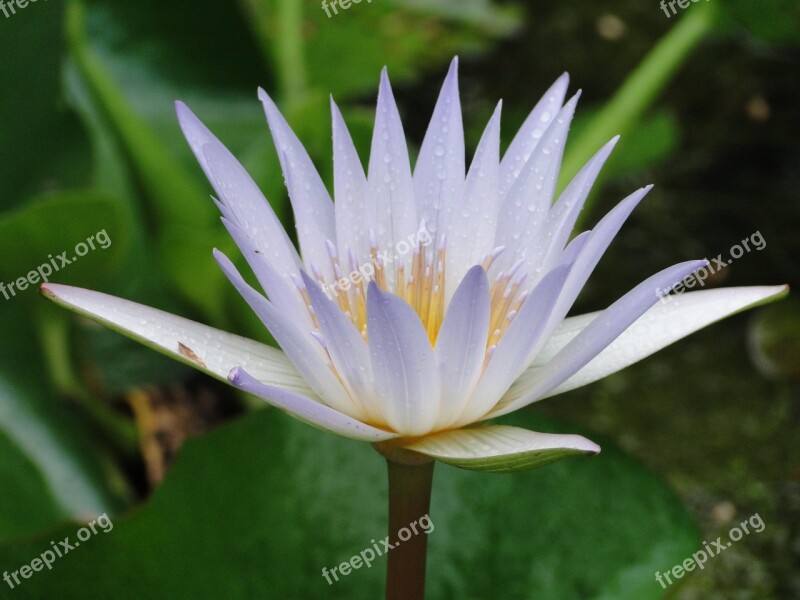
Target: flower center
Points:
x,y
420,281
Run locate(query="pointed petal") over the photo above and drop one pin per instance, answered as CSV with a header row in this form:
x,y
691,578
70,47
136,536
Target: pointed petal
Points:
x,y
501,448
592,249
280,289
471,236
391,188
600,333
439,172
308,410
349,184
406,377
210,350
461,344
311,203
522,340
241,202
347,349
564,214
302,349
524,209
668,321
532,130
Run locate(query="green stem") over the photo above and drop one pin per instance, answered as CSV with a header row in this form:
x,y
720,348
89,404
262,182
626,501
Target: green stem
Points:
x,y
409,499
278,27
289,50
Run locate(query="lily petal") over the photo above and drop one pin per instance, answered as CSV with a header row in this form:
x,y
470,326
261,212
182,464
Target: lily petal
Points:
x,y
349,189
524,209
347,349
596,336
389,181
241,202
406,377
209,350
471,235
562,217
525,335
501,448
662,325
461,343
302,349
308,410
439,171
592,249
531,132
311,203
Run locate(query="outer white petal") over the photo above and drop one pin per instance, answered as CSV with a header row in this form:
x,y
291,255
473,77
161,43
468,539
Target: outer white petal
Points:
x,y
600,333
532,130
309,410
461,343
349,184
207,349
665,323
311,203
471,234
439,171
391,188
406,376
302,349
501,448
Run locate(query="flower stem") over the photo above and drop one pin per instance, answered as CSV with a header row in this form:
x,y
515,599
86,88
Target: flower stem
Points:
x,y
409,499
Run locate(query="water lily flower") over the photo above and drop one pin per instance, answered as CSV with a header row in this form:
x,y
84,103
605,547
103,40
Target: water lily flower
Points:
x,y
423,302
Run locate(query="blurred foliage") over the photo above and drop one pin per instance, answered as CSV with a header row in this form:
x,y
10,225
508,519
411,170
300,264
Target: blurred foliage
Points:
x,y
90,143
250,538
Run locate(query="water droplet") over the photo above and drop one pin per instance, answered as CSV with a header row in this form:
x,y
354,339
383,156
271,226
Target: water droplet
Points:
x,y
439,150
545,116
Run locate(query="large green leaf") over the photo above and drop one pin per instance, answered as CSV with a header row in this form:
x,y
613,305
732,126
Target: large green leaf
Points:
x,y
43,146
75,237
258,508
52,469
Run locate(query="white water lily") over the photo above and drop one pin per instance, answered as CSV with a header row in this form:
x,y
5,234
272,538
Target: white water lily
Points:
x,y
415,349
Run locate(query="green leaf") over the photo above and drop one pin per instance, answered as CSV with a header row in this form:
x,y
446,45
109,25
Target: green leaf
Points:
x,y
258,509
182,217
43,146
74,237
309,48
45,446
